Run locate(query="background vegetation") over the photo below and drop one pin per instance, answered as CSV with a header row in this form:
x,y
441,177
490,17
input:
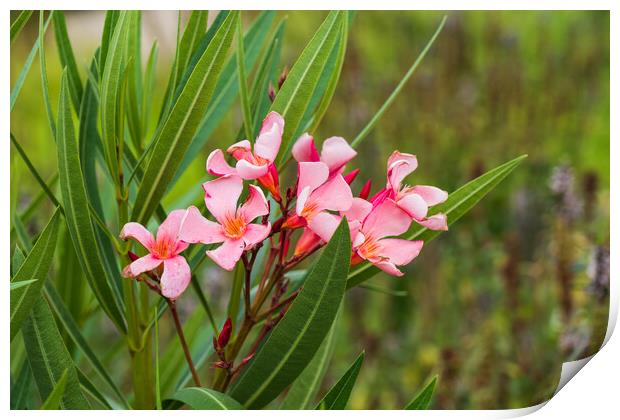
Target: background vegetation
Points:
x,y
493,307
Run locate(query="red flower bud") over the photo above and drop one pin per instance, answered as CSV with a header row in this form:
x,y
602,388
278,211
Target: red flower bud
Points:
x,y
221,364
132,256
283,77
224,336
246,360
271,92
350,177
365,191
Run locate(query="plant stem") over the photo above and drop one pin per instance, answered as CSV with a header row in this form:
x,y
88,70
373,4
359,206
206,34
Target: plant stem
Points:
x,y
188,356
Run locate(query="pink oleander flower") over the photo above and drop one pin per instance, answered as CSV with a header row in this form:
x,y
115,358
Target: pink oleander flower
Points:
x,y
316,194
373,242
414,200
165,249
257,163
335,152
233,227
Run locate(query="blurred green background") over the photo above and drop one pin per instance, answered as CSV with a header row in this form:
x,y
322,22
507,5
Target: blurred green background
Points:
x,y
520,284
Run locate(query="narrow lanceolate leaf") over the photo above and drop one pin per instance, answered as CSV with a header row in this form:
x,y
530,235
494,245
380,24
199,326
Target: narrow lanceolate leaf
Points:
x,y
338,397
243,82
35,266
457,204
77,213
67,59
111,92
19,82
21,388
182,122
19,23
53,400
423,399
332,76
195,29
73,330
111,19
206,399
297,337
398,88
43,70
227,88
304,389
295,96
49,358
19,284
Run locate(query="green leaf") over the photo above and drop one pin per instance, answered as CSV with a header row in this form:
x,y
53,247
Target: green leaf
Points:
x,y
206,399
243,83
182,122
67,59
338,397
36,265
77,213
43,70
49,357
134,80
19,23
195,29
331,75
111,19
18,284
112,82
19,82
53,400
423,399
73,330
457,204
227,88
21,388
91,389
295,95
304,389
297,337
398,88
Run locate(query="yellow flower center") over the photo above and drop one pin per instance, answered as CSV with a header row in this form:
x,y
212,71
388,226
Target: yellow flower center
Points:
x,y
234,227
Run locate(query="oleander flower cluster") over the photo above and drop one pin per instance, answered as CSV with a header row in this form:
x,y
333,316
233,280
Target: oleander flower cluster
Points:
x,y
239,217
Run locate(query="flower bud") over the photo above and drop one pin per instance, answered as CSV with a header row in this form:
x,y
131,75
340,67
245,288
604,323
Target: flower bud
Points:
x,y
132,256
271,92
283,76
224,336
365,191
350,177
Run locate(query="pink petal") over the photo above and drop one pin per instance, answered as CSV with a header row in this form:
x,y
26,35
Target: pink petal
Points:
x,y
139,233
400,251
217,165
306,241
414,205
399,166
432,195
435,222
175,278
256,205
227,255
386,219
335,195
336,153
324,225
302,198
255,233
196,228
169,229
247,170
268,141
221,196
389,268
360,208
304,149
139,266
241,150
311,174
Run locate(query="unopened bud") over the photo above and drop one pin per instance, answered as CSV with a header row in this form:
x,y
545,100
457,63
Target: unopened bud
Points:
x,y
282,78
350,177
224,336
246,360
220,364
365,191
132,256
271,92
